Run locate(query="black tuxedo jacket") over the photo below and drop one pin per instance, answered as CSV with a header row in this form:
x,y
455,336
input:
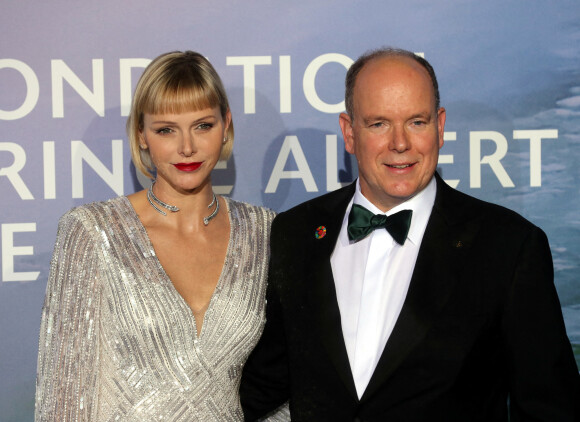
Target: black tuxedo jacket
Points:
x,y
481,322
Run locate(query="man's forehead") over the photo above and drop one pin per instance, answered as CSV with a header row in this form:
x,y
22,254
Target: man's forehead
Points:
x,y
393,68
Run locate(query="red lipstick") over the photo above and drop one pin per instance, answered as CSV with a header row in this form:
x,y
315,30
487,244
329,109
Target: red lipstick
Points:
x,y
187,166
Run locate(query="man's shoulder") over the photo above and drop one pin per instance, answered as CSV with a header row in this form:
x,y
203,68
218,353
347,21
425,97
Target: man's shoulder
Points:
x,y
458,205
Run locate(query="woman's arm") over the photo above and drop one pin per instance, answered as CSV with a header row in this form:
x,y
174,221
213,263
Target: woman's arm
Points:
x,y
66,385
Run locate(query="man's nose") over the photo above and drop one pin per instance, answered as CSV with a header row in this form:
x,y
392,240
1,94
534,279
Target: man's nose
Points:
x,y
400,139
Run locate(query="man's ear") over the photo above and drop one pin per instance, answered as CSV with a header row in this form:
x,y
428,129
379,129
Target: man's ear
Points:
x,y
441,116
346,127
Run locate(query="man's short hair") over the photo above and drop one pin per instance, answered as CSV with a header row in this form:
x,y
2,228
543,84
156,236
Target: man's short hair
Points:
x,y
357,66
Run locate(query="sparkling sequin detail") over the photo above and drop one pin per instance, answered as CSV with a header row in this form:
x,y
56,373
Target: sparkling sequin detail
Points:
x,y
118,342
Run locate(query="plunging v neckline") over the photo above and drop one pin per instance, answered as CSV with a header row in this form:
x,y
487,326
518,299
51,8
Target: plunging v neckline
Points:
x,y
180,299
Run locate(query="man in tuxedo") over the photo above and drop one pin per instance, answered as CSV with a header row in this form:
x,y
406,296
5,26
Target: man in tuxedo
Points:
x,y
398,298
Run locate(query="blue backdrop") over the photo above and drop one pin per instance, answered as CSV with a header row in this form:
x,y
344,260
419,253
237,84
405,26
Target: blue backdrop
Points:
x,y
509,76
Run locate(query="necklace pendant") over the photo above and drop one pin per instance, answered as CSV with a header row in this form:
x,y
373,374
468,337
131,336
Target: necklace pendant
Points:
x,y
154,201
207,219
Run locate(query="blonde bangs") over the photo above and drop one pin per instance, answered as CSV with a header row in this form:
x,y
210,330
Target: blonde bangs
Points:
x,y
179,98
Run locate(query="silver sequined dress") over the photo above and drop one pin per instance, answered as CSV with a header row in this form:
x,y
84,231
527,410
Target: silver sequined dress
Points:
x,y
118,342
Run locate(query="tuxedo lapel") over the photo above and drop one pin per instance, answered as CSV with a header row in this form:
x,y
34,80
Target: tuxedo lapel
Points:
x,y
447,238
322,293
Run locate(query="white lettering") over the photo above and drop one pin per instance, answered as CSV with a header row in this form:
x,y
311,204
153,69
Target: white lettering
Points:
x,y
309,81
285,85
49,157
535,137
475,159
114,178
32,89
9,251
249,64
95,98
11,172
291,145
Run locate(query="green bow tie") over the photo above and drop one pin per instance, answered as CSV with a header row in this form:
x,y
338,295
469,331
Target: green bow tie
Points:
x,y
361,222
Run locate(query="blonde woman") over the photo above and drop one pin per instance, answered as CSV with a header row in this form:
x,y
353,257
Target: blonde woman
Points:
x,y
155,299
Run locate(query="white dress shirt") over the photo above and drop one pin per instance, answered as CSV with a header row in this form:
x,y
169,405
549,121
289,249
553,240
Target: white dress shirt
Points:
x,y
372,278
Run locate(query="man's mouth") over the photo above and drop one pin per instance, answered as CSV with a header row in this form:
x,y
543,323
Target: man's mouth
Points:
x,y
399,166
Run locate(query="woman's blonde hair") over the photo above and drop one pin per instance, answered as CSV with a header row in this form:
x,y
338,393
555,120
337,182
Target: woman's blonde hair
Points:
x,y
175,82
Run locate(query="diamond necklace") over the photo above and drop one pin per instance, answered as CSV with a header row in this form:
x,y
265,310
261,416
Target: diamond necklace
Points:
x,y
154,201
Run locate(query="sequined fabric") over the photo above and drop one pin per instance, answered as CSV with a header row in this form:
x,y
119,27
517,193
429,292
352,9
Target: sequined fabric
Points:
x,y
118,342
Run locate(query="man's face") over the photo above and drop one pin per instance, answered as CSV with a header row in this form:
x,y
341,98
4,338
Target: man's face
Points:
x,y
396,133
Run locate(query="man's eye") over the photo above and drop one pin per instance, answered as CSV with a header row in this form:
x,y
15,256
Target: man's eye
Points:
x,y
377,124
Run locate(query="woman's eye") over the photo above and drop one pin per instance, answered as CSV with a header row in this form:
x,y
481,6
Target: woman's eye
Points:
x,y
205,126
163,131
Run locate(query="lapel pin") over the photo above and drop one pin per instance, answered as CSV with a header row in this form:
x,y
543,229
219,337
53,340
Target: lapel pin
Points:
x,y
320,232
458,244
